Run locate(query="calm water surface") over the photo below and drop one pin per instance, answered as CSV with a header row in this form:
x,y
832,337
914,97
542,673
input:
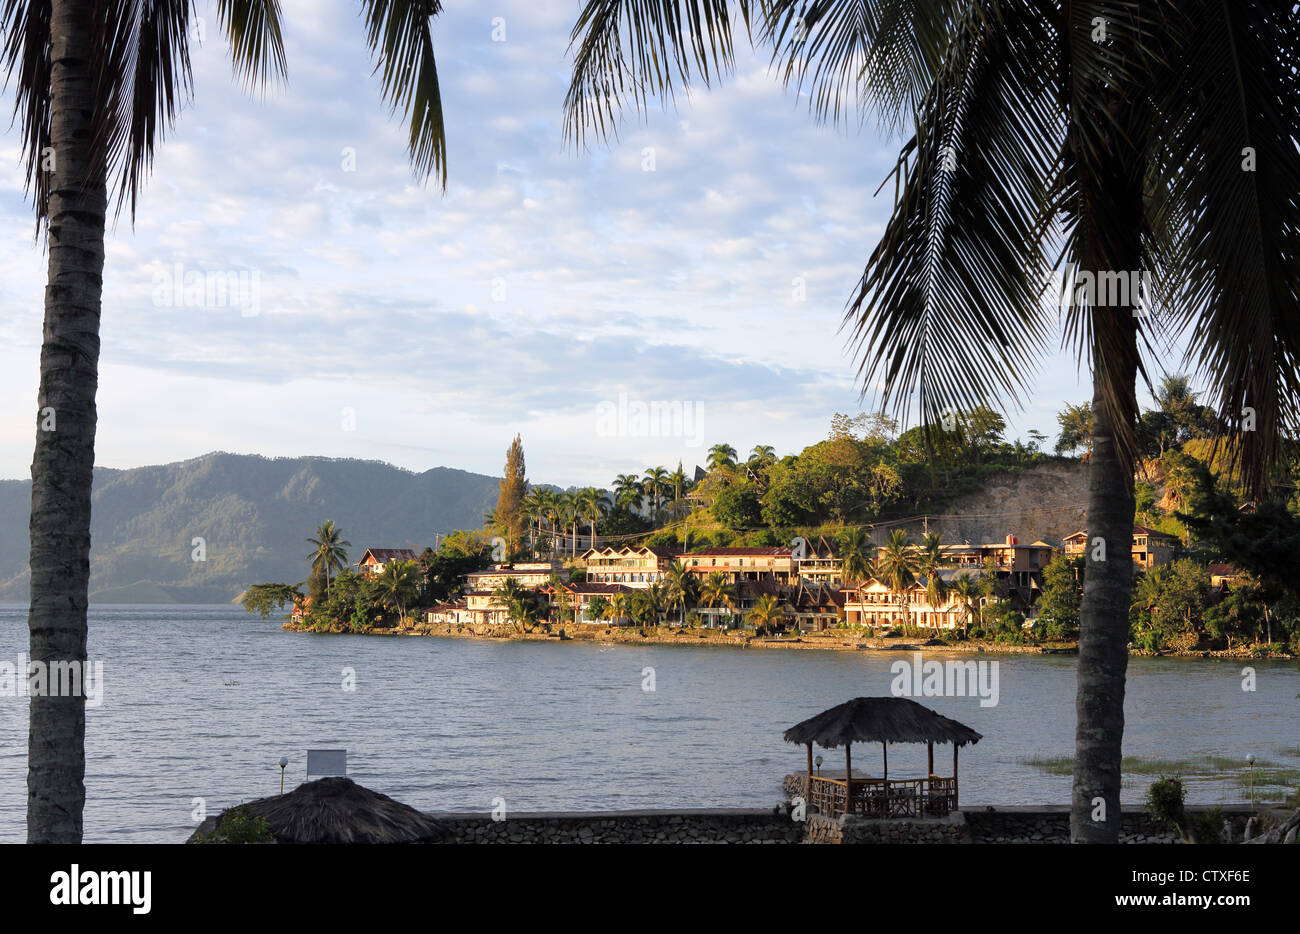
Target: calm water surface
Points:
x,y
201,701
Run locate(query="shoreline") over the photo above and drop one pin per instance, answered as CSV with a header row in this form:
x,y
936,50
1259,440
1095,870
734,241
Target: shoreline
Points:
x,y
830,641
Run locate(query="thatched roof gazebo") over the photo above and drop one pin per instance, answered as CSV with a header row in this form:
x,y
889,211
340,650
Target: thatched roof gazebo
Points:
x,y
881,720
337,810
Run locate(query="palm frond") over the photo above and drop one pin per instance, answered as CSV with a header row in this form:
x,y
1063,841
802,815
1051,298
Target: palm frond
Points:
x,y
1232,100
252,28
854,55
664,43
947,308
401,40
25,34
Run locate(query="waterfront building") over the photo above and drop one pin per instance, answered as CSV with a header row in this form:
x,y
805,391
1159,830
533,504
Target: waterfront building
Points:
x,y
1150,548
374,560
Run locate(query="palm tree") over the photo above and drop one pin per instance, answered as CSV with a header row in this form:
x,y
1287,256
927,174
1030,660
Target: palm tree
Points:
x,y
1045,137
627,490
592,504
678,483
930,561
330,553
97,86
768,614
855,561
967,590
618,607
718,592
399,583
654,482
682,587
722,457
897,567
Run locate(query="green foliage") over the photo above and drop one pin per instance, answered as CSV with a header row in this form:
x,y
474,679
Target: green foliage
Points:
x,y
239,825
263,599
1058,607
1168,605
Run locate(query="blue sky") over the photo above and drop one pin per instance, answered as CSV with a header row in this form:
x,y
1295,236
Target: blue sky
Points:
x,y
397,323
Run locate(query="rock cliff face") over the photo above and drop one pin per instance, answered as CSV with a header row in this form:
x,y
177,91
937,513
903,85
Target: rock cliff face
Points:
x,y
1048,503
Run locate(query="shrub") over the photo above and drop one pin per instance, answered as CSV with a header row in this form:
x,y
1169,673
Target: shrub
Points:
x,y
239,825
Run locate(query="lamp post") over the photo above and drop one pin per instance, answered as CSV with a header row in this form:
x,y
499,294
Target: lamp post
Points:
x,y
284,760
1251,759
818,763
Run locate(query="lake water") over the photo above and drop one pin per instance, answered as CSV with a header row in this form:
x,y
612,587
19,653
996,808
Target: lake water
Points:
x,y
201,701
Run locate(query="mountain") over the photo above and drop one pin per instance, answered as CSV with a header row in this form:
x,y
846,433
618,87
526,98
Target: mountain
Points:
x,y
254,514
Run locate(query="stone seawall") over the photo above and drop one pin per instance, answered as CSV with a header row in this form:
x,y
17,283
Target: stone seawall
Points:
x,y
685,826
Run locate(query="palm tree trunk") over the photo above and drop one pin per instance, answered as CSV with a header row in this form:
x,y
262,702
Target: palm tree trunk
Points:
x,y
1103,642
63,463
1111,243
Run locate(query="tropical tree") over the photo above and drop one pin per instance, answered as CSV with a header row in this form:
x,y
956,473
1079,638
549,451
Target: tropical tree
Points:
x,y
967,590
896,568
855,558
722,457
717,592
330,553
930,562
1045,138
618,608
767,615
598,608
97,84
399,584
654,483
627,491
263,599
592,505
681,588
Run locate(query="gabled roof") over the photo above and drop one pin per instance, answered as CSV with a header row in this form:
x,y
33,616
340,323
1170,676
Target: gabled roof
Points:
x,y
384,555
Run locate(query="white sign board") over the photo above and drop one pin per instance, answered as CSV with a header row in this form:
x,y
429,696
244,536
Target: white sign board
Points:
x,y
327,762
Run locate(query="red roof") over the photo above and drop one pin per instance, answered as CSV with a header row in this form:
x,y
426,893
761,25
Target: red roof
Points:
x,y
1223,570
764,552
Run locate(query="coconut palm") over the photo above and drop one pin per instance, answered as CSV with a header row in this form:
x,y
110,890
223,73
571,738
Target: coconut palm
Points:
x,y
896,568
618,607
654,483
966,589
1044,137
718,592
330,553
399,584
929,562
627,491
592,505
722,457
679,484
97,84
682,588
855,557
767,615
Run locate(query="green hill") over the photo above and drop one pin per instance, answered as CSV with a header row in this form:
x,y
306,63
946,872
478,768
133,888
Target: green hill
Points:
x,y
254,514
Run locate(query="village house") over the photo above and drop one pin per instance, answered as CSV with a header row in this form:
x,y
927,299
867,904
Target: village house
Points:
x,y
818,563
528,575
742,564
814,607
638,566
374,560
580,594
1150,548
872,604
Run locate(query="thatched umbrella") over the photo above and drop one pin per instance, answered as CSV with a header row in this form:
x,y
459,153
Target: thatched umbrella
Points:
x,y
880,720
337,810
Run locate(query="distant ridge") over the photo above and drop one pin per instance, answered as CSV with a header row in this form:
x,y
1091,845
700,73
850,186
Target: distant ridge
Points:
x,y
254,514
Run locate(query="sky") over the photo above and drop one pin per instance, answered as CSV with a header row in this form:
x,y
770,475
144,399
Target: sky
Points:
x,y
621,306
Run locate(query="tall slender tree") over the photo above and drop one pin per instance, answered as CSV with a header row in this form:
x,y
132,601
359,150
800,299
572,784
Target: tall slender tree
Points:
x,y
510,515
96,84
330,552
